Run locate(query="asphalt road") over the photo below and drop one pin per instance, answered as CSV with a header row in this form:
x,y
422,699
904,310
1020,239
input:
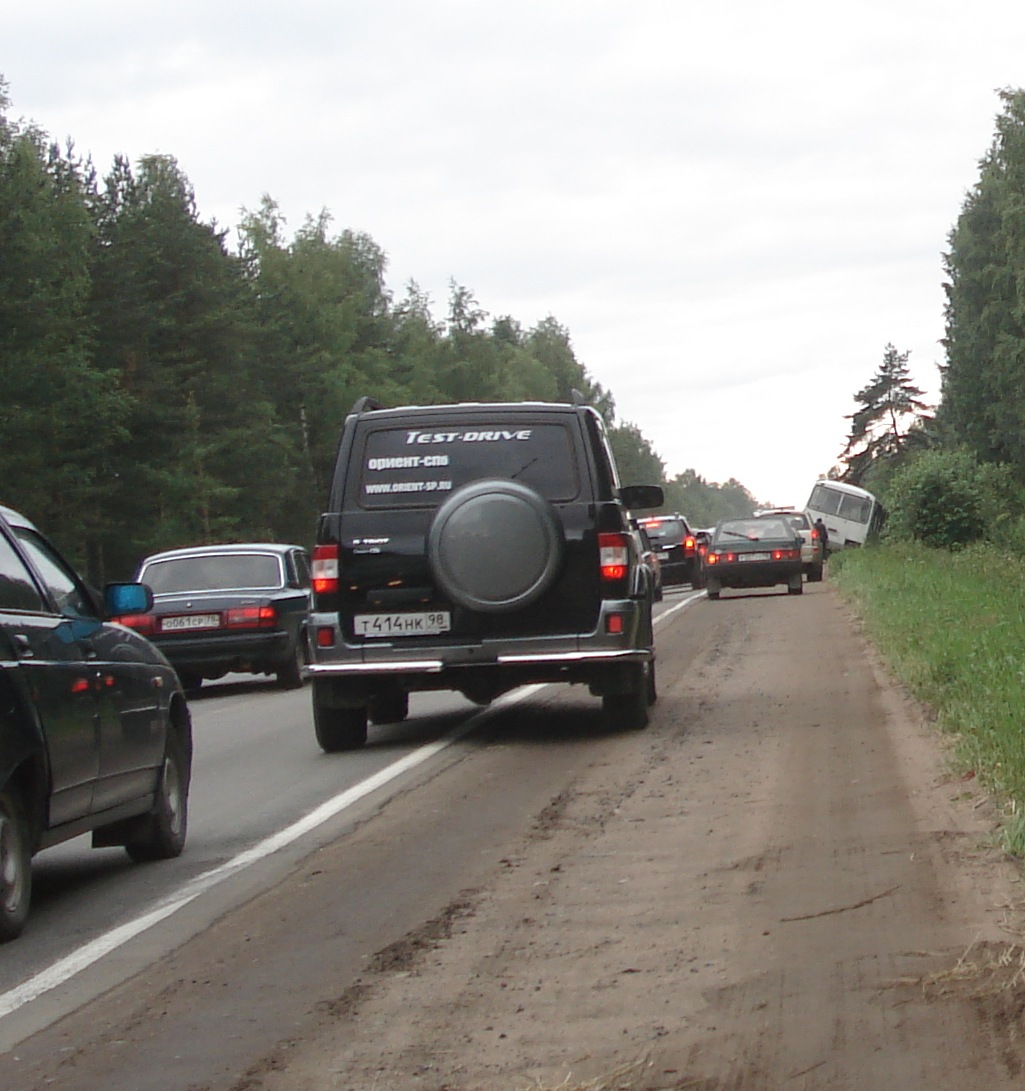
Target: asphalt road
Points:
x,y
257,772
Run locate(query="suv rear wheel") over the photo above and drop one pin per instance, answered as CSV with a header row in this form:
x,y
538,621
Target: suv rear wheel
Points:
x,y
629,711
340,728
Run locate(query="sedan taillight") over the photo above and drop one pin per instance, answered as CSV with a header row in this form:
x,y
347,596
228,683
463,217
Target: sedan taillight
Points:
x,y
251,617
325,569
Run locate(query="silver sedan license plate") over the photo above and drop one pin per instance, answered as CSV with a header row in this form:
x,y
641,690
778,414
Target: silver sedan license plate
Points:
x,y
426,623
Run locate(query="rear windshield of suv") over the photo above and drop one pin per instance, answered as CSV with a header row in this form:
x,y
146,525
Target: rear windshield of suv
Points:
x,y
223,572
665,532
419,467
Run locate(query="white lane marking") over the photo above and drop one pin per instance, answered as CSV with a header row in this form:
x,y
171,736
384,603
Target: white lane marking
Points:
x,y
682,605
103,945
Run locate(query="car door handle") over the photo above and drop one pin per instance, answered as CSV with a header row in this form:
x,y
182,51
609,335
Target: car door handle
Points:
x,y
22,645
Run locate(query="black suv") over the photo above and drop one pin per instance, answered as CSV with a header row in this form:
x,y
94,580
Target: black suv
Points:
x,y
477,547
677,548
95,733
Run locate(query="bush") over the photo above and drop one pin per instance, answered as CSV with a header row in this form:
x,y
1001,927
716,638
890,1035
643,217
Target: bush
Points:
x,y
948,499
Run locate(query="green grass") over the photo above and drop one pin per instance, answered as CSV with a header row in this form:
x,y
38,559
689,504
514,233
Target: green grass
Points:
x,y
951,626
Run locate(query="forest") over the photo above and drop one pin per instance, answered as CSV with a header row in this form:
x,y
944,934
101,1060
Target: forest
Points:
x,y
955,473
163,390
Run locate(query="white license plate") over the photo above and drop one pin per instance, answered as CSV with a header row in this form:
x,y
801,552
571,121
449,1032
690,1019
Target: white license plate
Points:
x,y
663,556
754,556
189,621
419,624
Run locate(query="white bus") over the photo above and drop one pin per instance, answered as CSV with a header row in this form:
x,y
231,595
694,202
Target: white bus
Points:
x,y
851,514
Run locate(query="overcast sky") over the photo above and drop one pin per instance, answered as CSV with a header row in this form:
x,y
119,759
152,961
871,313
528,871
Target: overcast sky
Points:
x,y
733,205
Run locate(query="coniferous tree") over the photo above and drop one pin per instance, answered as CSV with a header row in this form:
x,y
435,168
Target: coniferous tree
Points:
x,y
169,312
324,335
636,459
59,416
887,422
983,391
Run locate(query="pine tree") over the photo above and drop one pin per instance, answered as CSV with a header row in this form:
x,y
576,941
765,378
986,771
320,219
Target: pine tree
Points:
x,y
888,421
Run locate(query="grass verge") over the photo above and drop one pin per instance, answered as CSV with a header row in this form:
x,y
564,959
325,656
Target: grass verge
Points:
x,y
951,626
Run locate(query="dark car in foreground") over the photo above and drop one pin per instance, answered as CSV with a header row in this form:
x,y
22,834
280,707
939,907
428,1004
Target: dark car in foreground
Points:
x,y
95,734
240,607
676,546
477,547
755,552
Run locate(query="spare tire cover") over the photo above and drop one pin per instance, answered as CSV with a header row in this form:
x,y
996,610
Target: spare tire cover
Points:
x,y
495,546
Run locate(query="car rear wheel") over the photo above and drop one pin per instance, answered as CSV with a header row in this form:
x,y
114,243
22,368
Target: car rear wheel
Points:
x,y
15,867
795,586
712,588
340,729
290,674
815,573
161,833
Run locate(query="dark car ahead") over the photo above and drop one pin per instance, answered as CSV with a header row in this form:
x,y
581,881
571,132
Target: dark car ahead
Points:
x,y
755,552
674,542
240,607
95,732
649,556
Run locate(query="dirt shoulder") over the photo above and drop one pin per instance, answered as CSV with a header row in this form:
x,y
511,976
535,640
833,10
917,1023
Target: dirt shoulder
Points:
x,y
784,888
777,884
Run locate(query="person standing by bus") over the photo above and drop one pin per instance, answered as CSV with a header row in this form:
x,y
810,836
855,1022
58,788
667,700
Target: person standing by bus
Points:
x,y
823,536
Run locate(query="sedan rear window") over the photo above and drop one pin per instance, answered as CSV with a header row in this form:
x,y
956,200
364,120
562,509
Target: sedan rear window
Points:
x,y
417,467
755,530
223,572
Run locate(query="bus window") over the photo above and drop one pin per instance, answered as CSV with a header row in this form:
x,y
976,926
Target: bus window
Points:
x,y
825,499
855,508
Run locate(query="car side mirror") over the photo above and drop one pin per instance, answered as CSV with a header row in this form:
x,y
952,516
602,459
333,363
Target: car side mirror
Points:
x,y
127,598
642,497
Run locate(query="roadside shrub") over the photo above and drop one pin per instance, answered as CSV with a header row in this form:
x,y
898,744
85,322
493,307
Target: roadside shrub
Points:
x,y
836,560
948,499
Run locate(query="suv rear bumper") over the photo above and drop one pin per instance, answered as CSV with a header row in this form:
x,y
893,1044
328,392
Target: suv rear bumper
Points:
x,y
557,655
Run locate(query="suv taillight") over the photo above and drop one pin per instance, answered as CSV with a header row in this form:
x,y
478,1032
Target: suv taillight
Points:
x,y
325,569
613,555
689,545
